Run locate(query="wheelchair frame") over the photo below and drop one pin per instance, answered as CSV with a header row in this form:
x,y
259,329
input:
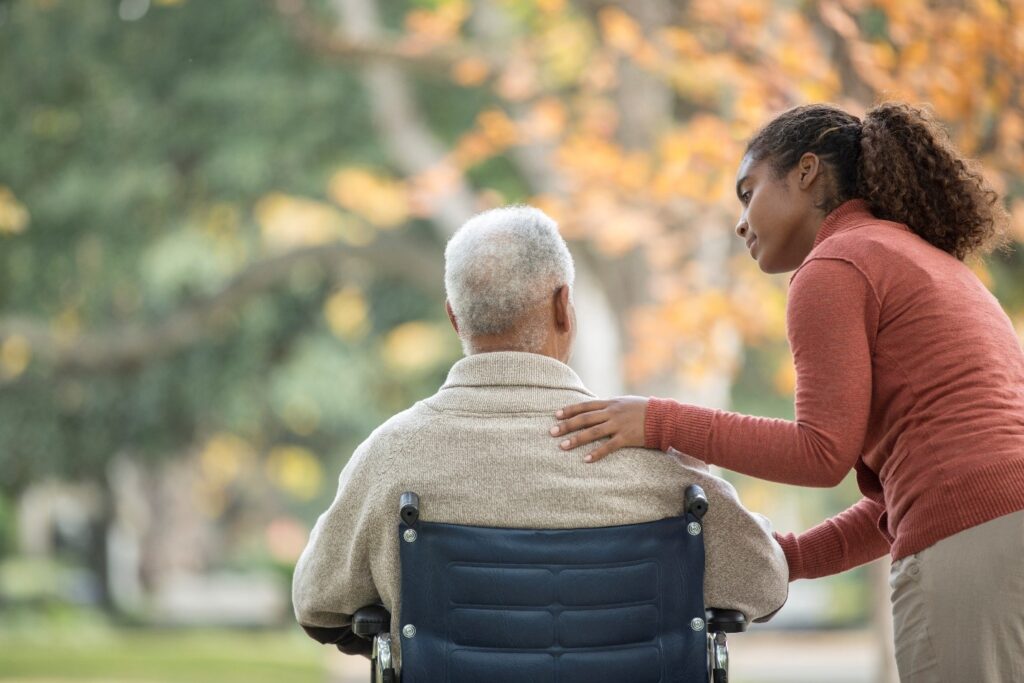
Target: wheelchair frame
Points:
x,y
373,622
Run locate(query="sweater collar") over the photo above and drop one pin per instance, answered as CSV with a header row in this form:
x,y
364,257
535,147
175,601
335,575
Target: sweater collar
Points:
x,y
512,369
508,382
849,214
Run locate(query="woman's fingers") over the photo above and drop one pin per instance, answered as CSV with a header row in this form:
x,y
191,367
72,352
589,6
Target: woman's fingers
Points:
x,y
585,407
581,421
621,418
604,449
589,435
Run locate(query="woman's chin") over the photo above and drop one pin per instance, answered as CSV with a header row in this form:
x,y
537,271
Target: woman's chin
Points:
x,y
768,265
772,267
762,263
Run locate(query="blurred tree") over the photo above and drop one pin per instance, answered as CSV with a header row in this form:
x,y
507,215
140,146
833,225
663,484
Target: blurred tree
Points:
x,y
627,121
223,222
174,276
212,206
168,244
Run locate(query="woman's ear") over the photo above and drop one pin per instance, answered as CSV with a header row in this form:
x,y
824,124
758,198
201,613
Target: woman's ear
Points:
x,y
809,168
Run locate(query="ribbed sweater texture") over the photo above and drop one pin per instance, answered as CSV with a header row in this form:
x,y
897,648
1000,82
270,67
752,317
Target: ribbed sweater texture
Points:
x,y
908,372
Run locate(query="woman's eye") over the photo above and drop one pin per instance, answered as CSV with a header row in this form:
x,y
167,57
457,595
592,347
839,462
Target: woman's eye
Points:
x,y
745,197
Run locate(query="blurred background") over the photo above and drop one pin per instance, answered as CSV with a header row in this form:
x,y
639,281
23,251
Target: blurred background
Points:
x,y
221,249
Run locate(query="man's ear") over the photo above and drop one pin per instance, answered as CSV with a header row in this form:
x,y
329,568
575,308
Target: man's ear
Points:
x,y
809,167
563,318
451,316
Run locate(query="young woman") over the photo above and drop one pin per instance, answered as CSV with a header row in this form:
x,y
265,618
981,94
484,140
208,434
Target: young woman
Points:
x,y
908,372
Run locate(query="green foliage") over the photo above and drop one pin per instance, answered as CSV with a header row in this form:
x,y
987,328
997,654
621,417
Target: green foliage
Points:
x,y
6,525
207,656
753,392
140,150
1009,285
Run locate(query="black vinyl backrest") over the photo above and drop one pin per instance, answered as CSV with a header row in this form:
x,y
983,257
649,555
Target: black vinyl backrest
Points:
x,y
602,605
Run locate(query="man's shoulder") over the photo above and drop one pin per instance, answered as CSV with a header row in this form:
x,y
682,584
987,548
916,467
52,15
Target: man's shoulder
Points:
x,y
681,467
394,433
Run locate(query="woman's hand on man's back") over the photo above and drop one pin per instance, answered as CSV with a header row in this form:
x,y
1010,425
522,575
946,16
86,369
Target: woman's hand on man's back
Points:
x,y
620,420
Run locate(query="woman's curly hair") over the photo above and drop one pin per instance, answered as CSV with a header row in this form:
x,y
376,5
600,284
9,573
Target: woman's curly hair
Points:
x,y
900,160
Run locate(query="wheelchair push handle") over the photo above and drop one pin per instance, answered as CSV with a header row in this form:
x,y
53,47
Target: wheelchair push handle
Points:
x,y
409,508
696,502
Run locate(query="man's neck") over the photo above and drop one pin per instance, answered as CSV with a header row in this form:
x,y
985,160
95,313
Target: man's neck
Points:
x,y
486,345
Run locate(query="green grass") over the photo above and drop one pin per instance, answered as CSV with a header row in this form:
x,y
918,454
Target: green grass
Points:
x,y
196,656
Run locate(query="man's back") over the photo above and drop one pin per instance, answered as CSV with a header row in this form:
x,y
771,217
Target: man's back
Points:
x,y
478,452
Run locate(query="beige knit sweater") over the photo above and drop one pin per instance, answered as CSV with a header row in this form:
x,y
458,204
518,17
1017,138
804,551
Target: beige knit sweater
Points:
x,y
478,452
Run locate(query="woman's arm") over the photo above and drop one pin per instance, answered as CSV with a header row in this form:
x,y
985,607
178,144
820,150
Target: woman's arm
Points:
x,y
843,542
832,319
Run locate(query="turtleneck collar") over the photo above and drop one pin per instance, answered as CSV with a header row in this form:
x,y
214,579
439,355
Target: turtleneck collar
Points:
x,y
507,382
512,368
849,214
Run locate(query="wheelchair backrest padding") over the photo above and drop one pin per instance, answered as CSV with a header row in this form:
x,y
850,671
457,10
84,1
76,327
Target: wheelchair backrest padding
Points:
x,y
608,604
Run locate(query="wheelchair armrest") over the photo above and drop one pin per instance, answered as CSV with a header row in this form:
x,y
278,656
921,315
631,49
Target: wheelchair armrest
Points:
x,y
368,621
725,620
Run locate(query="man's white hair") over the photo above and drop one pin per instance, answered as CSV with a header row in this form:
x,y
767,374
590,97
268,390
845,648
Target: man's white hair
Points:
x,y
499,266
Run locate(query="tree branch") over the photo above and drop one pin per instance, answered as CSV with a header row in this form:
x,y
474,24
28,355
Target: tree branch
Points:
x,y
134,344
378,47
409,140
831,22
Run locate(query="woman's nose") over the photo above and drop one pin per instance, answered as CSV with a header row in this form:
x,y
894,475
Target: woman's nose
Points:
x,y
741,228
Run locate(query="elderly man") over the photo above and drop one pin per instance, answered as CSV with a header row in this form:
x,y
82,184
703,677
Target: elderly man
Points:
x,y
479,450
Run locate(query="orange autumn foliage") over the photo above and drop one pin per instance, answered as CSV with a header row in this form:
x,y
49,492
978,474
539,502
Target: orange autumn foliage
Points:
x,y
578,87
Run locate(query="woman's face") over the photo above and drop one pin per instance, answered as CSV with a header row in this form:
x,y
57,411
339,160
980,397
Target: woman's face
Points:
x,y
778,221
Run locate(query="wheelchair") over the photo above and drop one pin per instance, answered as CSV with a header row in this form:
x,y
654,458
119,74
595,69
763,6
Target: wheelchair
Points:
x,y
619,604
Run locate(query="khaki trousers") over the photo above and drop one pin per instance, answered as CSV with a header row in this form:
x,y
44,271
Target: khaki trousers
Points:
x,y
958,607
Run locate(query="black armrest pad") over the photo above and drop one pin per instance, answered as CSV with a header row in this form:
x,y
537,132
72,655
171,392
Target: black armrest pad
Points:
x,y
725,620
342,638
370,620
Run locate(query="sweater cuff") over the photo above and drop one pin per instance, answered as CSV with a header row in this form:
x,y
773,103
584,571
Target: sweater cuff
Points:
x,y
818,552
686,428
792,550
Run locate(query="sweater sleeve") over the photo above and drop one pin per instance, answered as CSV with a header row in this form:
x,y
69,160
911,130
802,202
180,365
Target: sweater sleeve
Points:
x,y
843,542
334,575
745,568
832,318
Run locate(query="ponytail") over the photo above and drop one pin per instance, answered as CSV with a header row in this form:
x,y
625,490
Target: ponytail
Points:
x,y
911,173
901,162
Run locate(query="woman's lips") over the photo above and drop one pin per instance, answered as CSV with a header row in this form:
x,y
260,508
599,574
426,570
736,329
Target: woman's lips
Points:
x,y
751,242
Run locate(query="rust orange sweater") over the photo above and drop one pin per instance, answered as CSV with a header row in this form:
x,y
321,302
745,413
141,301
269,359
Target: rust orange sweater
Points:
x,y
908,371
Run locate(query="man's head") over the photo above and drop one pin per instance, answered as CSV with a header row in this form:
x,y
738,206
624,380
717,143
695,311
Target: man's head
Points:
x,y
508,278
